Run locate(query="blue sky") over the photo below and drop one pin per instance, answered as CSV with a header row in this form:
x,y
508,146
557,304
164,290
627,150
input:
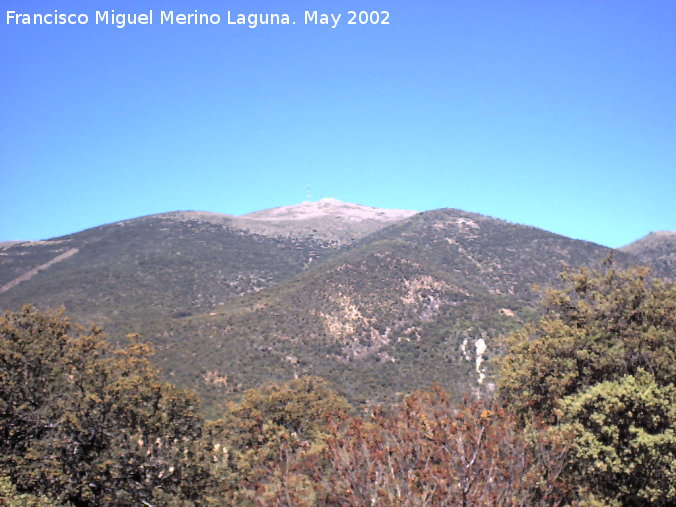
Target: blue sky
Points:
x,y
558,114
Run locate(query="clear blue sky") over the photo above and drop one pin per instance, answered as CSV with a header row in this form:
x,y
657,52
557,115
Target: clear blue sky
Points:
x,y
559,114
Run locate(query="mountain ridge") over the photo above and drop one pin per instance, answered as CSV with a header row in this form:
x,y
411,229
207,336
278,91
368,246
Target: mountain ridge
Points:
x,y
656,248
230,302
254,221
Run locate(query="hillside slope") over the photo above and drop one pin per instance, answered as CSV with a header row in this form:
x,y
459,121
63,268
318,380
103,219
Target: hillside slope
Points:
x,y
129,273
150,268
417,302
657,249
378,301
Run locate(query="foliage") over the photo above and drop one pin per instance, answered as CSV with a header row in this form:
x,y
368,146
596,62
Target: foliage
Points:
x,y
267,426
301,406
599,327
584,415
9,496
425,451
601,363
90,426
625,439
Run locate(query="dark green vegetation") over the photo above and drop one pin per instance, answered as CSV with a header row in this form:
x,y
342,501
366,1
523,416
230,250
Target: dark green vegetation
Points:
x,y
377,307
600,364
584,415
132,273
88,426
390,314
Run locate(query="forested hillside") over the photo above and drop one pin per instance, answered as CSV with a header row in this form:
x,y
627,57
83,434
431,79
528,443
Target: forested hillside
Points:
x,y
583,414
380,302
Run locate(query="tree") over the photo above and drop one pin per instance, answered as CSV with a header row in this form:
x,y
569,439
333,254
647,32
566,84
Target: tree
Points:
x,y
425,451
601,363
599,327
625,440
300,406
263,432
88,425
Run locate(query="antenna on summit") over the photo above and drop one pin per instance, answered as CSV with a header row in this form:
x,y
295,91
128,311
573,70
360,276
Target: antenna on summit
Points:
x,y
308,193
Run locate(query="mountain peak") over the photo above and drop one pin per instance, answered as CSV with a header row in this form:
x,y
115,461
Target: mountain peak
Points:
x,y
330,208
653,240
656,249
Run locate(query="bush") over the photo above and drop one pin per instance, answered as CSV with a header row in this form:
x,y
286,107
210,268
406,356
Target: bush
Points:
x,y
601,363
88,425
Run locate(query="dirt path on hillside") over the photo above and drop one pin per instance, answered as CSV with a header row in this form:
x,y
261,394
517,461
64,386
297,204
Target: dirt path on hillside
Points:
x,y
32,272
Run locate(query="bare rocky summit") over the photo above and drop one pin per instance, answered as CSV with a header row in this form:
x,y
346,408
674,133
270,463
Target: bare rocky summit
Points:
x,y
328,220
333,208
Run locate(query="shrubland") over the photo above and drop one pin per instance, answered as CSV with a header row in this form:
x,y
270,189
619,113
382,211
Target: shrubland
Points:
x,y
583,414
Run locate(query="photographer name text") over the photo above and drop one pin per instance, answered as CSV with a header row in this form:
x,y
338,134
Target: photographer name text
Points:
x,y
230,18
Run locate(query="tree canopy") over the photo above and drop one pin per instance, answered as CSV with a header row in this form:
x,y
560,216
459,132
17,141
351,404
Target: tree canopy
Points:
x,y
601,362
89,425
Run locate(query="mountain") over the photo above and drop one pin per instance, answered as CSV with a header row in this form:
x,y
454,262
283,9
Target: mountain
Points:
x,y
179,263
417,302
159,266
657,249
328,219
377,301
